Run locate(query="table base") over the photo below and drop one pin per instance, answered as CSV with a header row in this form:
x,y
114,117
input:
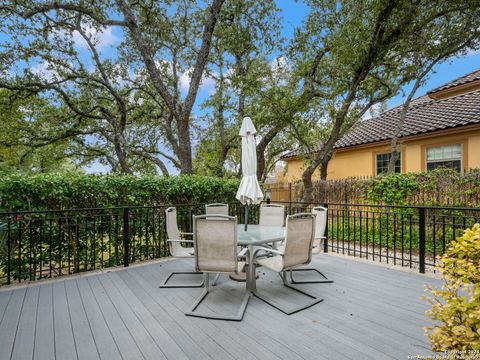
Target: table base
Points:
x,y
240,277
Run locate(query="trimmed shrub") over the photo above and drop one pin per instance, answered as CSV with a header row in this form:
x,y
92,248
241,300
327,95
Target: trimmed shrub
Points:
x,y
39,192
456,306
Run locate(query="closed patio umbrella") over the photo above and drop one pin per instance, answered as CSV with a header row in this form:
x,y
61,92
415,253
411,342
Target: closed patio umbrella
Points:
x,y
249,191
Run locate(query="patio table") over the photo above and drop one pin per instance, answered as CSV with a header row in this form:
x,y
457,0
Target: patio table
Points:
x,y
257,235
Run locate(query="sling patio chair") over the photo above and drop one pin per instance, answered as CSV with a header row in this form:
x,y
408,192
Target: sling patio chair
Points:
x,y
320,226
271,215
174,241
216,209
215,238
297,251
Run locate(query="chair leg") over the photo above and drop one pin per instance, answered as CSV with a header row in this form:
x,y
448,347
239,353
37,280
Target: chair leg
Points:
x,y
203,295
215,279
325,280
292,309
165,285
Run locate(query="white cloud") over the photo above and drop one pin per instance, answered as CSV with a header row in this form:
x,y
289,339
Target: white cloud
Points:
x,y
207,84
44,70
102,38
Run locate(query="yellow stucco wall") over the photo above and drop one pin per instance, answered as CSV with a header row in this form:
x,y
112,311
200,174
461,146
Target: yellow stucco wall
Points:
x,y
360,161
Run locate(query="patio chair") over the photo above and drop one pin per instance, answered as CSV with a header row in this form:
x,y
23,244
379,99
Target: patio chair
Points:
x,y
216,209
320,226
297,251
215,238
271,215
174,241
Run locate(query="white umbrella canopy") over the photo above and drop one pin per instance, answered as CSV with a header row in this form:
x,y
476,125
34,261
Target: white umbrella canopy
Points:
x,y
249,191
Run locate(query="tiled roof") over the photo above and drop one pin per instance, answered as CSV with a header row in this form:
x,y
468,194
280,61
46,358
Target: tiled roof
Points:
x,y
424,115
300,151
475,75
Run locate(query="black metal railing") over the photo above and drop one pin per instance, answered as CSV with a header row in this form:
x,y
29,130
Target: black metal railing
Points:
x,y
410,236
45,244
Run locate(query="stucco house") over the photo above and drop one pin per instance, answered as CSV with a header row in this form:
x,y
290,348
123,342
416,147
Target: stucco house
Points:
x,y
442,128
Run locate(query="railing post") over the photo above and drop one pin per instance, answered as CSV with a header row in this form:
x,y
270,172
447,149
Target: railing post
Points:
x,y
421,239
325,240
126,236
9,245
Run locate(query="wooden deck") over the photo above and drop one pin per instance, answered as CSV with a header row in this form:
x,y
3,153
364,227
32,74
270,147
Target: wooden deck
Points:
x,y
370,312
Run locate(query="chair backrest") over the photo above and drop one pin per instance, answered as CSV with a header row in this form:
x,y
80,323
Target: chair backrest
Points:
x,y
271,215
215,238
172,231
320,222
216,209
299,239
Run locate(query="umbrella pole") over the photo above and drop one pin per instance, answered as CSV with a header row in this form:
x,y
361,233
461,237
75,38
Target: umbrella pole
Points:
x,y
246,217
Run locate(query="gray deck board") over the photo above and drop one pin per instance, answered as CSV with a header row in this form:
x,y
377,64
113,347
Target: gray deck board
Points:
x,y
82,332
25,336
106,346
143,338
9,325
196,333
65,347
45,334
370,312
123,339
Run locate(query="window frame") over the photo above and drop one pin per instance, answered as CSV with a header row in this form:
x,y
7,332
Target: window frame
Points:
x,y
375,161
430,146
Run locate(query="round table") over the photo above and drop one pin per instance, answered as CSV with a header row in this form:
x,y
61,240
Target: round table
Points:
x,y
257,235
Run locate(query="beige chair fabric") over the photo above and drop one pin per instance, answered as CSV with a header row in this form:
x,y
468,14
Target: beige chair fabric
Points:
x,y
174,236
320,226
215,241
271,215
297,250
216,209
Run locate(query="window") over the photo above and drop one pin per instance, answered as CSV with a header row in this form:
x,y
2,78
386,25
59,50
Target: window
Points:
x,y
447,156
382,163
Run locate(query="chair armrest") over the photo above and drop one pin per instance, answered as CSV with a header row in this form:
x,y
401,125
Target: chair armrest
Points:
x,y
267,250
180,240
243,252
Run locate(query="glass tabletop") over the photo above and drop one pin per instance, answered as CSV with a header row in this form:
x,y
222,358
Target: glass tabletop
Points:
x,y
258,234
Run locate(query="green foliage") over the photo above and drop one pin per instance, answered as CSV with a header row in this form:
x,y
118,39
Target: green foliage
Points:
x,y
457,304
392,188
44,191
441,187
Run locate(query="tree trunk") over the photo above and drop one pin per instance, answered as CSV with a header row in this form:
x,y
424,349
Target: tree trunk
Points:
x,y
323,169
261,147
122,158
184,147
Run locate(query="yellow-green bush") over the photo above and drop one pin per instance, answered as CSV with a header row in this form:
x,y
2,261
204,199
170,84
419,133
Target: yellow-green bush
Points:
x,y
456,306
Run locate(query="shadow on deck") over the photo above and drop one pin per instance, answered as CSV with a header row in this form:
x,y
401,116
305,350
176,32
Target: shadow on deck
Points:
x,y
370,312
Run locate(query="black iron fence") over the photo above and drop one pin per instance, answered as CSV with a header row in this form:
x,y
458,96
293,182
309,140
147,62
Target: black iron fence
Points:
x,y
45,244
411,236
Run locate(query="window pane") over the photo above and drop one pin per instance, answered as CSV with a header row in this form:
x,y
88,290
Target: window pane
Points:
x,y
445,152
383,161
449,164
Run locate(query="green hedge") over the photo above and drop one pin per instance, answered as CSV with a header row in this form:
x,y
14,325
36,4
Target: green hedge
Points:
x,y
38,192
